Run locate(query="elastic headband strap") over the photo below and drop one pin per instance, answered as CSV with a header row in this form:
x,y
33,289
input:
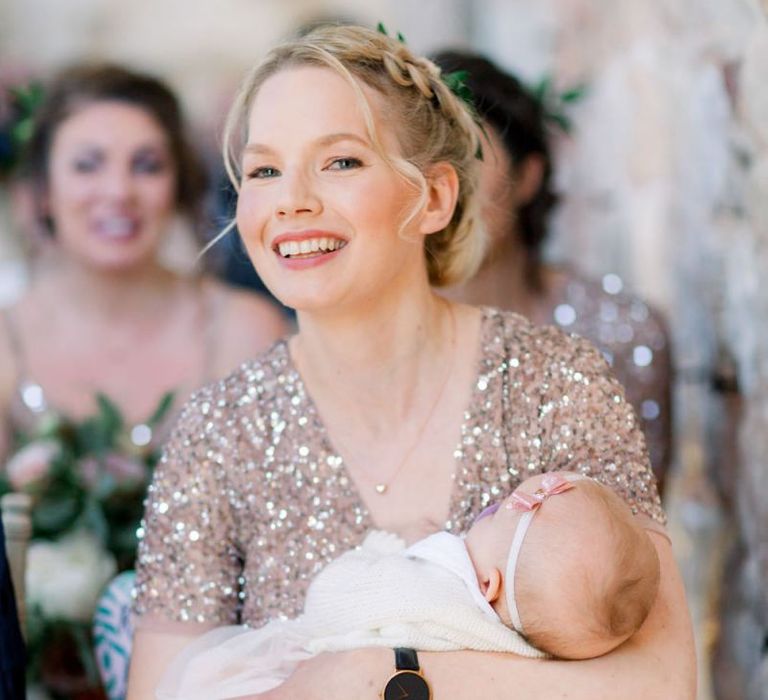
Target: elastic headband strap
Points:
x,y
514,554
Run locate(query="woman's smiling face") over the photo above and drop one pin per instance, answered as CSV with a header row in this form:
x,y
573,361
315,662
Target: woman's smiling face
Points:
x,y
320,210
111,185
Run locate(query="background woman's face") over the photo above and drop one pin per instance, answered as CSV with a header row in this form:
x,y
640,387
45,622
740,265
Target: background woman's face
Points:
x,y
497,188
111,185
319,209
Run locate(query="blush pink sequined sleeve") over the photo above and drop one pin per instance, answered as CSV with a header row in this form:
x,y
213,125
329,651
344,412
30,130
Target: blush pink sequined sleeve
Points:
x,y
594,430
189,561
547,401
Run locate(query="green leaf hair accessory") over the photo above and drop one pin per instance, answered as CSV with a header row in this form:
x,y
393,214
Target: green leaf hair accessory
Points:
x,y
456,82
554,104
381,29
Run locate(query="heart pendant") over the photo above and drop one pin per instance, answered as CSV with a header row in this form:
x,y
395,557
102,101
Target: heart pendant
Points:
x,y
381,488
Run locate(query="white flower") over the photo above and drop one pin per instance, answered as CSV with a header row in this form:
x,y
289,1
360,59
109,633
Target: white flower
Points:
x,y
65,577
31,463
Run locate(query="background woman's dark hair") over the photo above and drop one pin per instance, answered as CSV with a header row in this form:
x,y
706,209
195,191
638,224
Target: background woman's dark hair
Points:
x,y
518,117
81,85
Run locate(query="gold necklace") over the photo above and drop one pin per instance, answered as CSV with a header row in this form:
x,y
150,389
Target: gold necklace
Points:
x,y
381,487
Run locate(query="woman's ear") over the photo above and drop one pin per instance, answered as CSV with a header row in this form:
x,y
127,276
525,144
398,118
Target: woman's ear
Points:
x,y
528,176
442,193
490,585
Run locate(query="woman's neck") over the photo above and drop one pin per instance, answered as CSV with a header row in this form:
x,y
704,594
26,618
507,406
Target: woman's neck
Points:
x,y
384,358
106,294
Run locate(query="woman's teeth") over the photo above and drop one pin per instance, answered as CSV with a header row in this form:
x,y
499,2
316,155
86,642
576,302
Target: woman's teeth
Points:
x,y
309,246
117,227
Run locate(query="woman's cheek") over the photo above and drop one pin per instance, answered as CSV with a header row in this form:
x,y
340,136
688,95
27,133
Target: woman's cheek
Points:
x,y
250,213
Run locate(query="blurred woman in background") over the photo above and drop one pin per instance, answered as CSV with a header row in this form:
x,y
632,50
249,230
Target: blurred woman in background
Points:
x,y
110,168
517,200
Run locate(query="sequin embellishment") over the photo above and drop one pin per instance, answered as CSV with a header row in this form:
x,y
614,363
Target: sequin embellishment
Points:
x,y
250,501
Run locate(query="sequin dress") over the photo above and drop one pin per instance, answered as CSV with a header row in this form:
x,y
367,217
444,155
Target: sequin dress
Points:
x,y
634,340
251,500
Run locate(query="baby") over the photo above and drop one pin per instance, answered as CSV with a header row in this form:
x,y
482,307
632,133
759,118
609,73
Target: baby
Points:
x,y
560,568
565,564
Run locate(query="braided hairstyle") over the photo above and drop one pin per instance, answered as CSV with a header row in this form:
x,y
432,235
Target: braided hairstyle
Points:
x,y
433,126
504,103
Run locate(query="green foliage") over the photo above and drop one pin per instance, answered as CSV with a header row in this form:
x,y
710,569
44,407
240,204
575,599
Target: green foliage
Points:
x,y
555,104
20,105
84,486
96,480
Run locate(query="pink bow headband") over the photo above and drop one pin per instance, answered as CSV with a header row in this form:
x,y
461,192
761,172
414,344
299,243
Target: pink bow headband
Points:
x,y
529,503
551,485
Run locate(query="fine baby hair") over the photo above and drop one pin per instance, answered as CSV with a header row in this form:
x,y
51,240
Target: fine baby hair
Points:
x,y
582,575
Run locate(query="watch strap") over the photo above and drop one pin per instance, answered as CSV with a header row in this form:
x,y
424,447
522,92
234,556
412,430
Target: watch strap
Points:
x,y
406,659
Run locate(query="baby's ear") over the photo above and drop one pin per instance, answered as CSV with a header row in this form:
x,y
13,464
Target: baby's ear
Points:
x,y
490,585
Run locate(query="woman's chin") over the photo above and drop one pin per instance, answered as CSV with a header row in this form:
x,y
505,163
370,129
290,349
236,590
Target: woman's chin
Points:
x,y
119,262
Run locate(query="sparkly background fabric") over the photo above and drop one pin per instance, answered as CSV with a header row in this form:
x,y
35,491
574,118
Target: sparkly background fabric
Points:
x,y
250,500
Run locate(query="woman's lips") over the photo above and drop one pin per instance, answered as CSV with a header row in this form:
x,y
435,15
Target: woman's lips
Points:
x,y
307,247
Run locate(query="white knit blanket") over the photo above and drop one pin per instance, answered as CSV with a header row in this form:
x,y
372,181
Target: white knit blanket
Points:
x,y
381,594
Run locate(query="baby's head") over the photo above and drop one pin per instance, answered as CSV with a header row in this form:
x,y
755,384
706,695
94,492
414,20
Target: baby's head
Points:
x,y
576,575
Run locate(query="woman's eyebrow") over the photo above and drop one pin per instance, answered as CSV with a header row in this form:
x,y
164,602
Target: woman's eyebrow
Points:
x,y
328,140
341,136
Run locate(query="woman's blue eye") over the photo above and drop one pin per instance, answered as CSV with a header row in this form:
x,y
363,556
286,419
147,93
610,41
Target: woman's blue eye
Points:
x,y
345,164
265,172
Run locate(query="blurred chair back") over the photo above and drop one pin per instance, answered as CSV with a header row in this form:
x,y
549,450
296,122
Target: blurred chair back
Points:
x,y
17,523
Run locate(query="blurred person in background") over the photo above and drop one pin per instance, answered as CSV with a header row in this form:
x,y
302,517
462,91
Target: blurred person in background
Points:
x,y
110,167
11,643
517,199
105,345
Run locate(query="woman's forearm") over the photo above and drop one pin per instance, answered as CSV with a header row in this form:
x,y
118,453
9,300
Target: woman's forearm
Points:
x,y
658,663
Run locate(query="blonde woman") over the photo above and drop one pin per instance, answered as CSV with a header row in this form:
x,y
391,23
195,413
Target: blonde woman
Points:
x,y
391,407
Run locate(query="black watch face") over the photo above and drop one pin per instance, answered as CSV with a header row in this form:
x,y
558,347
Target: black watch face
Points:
x,y
406,685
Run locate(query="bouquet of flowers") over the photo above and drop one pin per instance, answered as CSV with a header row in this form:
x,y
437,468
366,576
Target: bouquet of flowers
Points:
x,y
88,480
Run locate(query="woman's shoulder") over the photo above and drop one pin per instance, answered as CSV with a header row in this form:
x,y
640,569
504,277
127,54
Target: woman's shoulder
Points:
x,y
244,323
250,390
517,341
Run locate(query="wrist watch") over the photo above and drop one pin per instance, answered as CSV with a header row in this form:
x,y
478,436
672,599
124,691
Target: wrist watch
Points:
x,y
407,682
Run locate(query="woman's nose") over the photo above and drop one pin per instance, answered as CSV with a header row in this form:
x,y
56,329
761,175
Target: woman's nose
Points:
x,y
297,196
118,183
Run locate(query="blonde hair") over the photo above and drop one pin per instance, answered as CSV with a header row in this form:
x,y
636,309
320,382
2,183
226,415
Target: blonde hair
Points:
x,y
433,126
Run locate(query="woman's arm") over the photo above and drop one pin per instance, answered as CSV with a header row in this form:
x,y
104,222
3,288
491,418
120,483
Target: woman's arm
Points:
x,y
151,654
657,663
188,560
